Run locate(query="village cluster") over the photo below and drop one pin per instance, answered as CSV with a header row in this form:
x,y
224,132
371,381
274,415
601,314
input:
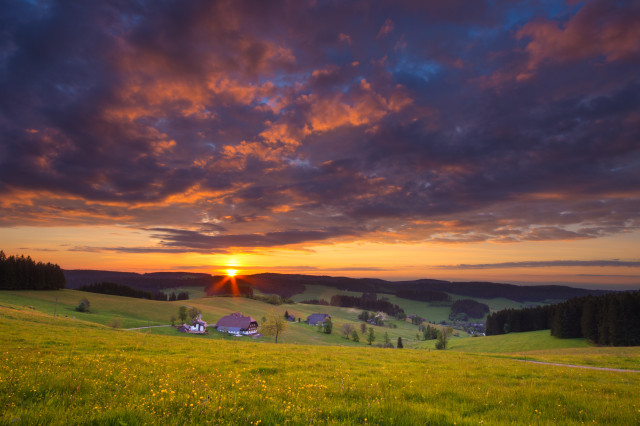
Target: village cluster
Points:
x,y
239,325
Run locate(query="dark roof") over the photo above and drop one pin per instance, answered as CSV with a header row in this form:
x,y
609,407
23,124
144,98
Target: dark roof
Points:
x,y
235,320
316,318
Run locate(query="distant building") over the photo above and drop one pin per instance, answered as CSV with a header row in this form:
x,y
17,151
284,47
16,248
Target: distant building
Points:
x,y
291,318
237,324
317,319
197,326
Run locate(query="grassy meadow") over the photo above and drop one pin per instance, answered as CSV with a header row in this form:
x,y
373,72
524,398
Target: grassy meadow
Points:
x,y
434,312
141,313
65,371
516,342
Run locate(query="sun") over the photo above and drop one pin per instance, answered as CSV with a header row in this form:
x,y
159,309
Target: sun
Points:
x,y
232,272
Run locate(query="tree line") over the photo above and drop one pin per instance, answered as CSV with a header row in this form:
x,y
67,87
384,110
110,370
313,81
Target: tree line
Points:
x,y
611,319
467,308
126,291
23,273
368,301
517,320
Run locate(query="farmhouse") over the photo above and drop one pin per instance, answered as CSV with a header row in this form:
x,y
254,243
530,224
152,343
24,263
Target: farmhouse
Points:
x,y
197,326
317,319
237,324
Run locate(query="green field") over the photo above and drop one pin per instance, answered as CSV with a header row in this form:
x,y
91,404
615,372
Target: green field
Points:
x,y
516,342
65,371
142,313
434,312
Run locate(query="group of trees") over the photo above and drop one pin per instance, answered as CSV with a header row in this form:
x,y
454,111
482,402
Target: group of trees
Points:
x,y
23,273
612,319
126,291
442,339
372,317
187,312
417,320
368,301
467,308
316,302
516,320
427,332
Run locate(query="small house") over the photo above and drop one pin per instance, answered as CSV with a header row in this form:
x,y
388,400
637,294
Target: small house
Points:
x,y
291,318
197,326
237,324
317,319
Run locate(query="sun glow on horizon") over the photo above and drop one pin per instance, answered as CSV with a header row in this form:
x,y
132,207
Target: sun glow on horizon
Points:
x,y
232,272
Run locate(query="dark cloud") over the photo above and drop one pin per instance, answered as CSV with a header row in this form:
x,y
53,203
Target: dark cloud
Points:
x,y
198,241
219,125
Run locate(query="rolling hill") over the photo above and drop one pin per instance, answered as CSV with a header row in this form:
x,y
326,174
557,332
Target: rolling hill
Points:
x,y
288,285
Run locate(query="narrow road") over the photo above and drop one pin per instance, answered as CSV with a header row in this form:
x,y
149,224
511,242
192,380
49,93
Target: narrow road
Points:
x,y
580,366
151,326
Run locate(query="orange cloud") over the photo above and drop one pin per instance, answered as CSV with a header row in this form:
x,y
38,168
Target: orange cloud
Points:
x,y
365,107
597,29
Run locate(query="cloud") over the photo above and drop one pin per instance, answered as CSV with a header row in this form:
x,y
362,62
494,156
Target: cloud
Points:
x,y
547,264
599,29
397,124
196,240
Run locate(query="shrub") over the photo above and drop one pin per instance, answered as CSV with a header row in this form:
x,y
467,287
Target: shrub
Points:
x,y
83,306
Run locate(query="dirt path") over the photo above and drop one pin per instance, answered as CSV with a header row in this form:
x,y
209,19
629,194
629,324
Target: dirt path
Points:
x,y
580,366
151,326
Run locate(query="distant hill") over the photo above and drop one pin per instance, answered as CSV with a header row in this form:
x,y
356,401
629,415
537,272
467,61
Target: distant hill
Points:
x,y
149,282
287,285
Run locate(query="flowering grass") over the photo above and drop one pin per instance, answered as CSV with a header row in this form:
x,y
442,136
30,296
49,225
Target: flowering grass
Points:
x,y
627,358
516,343
64,371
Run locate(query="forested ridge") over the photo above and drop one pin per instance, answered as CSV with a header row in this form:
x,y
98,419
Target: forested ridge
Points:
x,y
126,291
24,273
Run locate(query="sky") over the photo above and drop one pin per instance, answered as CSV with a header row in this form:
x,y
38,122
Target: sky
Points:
x,y
484,140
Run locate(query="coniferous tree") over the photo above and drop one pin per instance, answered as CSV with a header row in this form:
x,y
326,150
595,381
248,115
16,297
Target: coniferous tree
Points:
x,y
371,337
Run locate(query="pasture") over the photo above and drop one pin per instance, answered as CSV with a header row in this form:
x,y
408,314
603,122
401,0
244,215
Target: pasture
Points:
x,y
60,370
141,313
